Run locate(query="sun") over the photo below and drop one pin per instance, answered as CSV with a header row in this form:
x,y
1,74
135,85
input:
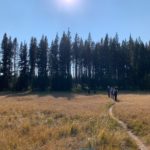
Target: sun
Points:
x,y
68,5
70,2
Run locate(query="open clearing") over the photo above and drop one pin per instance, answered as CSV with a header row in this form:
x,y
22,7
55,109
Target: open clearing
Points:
x,y
70,122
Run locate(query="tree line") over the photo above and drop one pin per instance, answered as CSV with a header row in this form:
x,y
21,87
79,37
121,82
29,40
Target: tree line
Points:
x,y
66,63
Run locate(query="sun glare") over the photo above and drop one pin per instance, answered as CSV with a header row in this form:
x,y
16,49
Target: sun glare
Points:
x,y
68,5
69,2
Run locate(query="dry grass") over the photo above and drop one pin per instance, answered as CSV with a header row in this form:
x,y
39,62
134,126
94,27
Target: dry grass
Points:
x,y
59,122
134,109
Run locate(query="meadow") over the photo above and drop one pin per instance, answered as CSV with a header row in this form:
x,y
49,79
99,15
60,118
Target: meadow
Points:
x,y
134,110
62,121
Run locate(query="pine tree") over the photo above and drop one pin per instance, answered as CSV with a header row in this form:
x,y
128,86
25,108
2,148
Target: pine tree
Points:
x,y
96,65
105,61
88,61
75,57
54,64
65,62
42,64
6,62
15,54
23,68
15,58
114,59
32,61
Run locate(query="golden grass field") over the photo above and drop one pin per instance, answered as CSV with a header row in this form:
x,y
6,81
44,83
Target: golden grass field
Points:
x,y
69,121
134,110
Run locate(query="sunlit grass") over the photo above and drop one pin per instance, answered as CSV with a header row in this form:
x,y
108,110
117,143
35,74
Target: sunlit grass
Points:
x,y
59,122
135,111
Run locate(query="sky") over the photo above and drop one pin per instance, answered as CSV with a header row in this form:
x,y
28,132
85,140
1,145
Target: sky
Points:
x,y
26,18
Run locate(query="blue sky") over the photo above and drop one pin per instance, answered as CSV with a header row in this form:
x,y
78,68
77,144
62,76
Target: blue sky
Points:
x,y
26,18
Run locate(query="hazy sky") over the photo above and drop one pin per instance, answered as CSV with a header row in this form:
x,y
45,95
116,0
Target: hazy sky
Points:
x,y
26,18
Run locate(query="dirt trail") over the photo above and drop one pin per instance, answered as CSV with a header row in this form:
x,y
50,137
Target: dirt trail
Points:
x,y
139,143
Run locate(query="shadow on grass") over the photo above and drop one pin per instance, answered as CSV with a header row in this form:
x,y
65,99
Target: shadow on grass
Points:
x,y
67,95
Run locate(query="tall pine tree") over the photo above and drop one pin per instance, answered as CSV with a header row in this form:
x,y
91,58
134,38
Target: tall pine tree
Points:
x,y
43,64
65,62
6,62
33,61
23,68
54,64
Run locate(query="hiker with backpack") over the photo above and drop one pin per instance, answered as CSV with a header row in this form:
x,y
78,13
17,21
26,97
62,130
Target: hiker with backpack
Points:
x,y
112,92
115,93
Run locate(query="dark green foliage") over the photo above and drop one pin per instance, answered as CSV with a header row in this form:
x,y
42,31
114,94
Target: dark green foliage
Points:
x,y
15,56
66,65
6,62
42,64
76,58
32,61
23,79
65,79
54,64
15,66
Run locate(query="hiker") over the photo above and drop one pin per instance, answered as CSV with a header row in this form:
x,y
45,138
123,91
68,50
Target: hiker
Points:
x,y
108,91
89,91
112,92
115,93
